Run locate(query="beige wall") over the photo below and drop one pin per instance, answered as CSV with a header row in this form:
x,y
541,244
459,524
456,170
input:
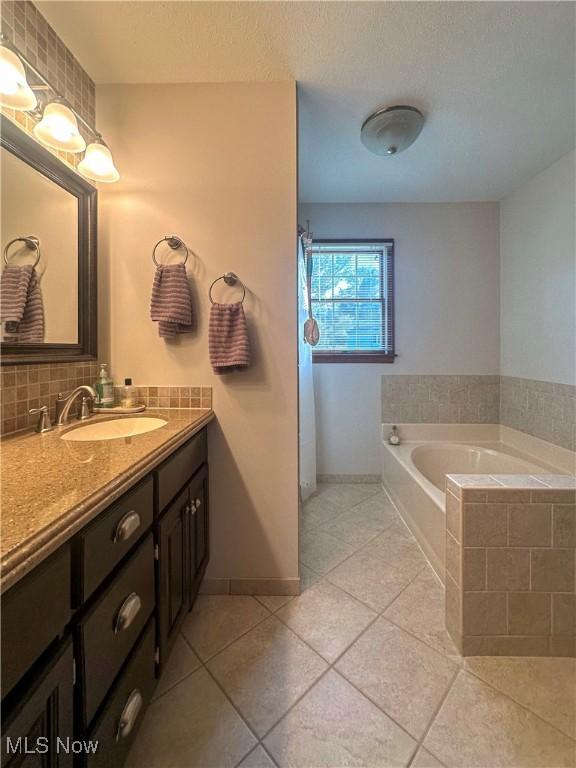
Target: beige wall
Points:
x,y
538,277
447,310
216,165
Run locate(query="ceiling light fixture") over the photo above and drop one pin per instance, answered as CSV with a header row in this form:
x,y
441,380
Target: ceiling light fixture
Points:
x,y
97,164
390,130
58,128
14,89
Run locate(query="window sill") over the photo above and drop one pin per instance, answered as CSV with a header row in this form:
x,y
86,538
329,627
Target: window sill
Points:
x,y
353,357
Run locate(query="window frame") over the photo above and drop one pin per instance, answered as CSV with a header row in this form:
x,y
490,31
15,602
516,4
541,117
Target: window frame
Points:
x,y
365,357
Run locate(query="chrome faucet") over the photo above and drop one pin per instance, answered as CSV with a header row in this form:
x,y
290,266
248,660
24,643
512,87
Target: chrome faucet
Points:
x,y
65,402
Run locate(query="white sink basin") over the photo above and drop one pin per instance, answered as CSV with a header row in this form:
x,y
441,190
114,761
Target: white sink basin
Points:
x,y
111,430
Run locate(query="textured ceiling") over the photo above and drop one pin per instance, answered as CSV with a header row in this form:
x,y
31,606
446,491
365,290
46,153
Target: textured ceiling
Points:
x,y
496,81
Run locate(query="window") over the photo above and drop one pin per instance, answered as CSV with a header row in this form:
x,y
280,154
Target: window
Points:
x,y
353,300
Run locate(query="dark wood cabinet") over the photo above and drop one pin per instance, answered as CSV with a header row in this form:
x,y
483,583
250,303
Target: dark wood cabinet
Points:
x,y
38,729
173,582
133,574
199,531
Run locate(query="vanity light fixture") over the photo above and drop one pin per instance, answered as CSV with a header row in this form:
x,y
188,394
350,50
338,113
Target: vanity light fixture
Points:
x,y
58,123
58,128
14,89
97,164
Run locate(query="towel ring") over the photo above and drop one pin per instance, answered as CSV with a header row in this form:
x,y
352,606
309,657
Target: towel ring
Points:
x,y
174,243
33,243
230,279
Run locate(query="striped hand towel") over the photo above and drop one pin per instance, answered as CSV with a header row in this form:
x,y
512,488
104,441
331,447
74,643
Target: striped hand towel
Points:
x,y
171,304
228,338
22,309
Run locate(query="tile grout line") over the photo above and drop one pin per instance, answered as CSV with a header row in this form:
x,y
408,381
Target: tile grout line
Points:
x,y
433,718
226,695
470,671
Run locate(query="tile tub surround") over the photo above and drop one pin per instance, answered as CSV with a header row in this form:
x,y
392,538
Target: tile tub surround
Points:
x,y
510,564
27,29
30,386
51,488
543,409
463,399
540,408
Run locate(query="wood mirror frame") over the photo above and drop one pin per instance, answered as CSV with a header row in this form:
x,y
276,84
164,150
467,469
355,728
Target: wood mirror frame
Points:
x,y
14,140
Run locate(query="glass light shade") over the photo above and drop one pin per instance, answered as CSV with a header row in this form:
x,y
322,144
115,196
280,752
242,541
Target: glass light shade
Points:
x,y
58,129
14,89
391,130
98,164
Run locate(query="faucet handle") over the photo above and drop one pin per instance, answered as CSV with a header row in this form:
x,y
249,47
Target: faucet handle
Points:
x,y
44,424
85,410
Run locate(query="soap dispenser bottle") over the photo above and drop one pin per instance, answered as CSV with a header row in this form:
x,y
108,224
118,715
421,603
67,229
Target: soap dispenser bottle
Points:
x,y
104,389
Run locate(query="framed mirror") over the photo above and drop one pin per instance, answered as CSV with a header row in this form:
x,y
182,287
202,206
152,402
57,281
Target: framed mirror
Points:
x,y
48,261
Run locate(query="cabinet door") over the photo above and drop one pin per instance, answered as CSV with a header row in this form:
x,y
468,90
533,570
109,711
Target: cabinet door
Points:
x,y
173,583
40,716
199,542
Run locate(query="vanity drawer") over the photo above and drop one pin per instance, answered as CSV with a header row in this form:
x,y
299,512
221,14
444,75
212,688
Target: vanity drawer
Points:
x,y
176,471
101,545
110,628
127,701
34,613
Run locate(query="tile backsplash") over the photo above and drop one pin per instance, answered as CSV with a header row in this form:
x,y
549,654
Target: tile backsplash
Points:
x,y
540,408
437,399
172,396
31,386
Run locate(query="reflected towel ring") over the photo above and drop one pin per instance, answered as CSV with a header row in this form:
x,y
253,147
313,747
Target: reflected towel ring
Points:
x,y
230,279
33,243
174,242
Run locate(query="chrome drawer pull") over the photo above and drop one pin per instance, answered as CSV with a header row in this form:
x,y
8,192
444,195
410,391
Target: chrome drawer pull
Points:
x,y
127,612
198,503
126,527
129,714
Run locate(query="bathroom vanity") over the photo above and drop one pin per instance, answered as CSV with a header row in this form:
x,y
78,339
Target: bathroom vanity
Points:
x,y
93,600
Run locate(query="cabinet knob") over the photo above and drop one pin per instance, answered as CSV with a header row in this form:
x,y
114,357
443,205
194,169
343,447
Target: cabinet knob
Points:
x,y
127,612
129,714
198,503
127,526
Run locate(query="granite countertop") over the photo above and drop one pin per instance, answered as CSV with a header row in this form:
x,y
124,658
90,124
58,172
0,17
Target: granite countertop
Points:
x,y
52,487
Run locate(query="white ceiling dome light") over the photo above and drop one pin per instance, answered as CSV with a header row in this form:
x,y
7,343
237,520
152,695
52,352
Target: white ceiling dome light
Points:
x,y
390,130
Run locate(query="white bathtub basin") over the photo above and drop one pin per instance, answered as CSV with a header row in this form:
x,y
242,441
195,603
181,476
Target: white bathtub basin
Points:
x,y
111,430
437,460
414,472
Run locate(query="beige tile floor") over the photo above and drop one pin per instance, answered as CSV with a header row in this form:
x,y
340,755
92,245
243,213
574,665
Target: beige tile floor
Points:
x,y
356,671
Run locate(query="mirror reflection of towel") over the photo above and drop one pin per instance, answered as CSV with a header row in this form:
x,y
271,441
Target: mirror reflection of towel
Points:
x,y
171,305
21,308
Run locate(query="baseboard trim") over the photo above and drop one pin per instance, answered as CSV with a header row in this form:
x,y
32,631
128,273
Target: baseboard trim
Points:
x,y
264,587
349,478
